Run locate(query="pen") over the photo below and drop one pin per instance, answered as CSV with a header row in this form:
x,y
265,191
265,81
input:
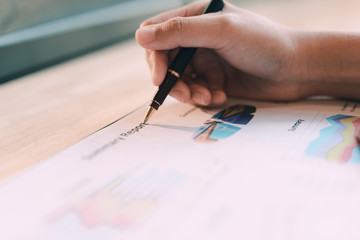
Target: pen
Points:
x,y
177,67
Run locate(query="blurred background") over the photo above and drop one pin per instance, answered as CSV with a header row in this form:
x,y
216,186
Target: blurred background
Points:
x,y
38,33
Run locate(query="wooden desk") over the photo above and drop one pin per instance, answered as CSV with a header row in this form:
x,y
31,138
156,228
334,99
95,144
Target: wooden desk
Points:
x,y
47,111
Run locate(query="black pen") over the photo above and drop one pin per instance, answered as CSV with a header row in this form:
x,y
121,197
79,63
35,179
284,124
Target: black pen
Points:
x,y
177,67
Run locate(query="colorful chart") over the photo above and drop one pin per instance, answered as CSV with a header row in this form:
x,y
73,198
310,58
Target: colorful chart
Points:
x,y
337,142
225,123
124,203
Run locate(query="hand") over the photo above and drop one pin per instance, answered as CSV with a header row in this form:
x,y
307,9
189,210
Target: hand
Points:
x,y
244,55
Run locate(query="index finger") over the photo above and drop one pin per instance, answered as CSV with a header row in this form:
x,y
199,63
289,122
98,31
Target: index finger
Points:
x,y
192,9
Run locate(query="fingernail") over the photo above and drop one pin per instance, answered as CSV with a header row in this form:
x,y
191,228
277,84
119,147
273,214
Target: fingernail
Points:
x,y
219,98
198,98
146,34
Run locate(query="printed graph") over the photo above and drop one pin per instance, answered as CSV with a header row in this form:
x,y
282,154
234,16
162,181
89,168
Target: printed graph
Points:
x,y
338,141
123,204
224,123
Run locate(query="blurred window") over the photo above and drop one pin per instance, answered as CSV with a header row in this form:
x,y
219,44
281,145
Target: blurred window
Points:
x,y
38,33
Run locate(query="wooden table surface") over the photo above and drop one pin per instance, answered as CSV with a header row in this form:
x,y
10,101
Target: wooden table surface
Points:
x,y
47,111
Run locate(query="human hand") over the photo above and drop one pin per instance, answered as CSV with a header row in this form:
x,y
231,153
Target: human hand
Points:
x,y
241,55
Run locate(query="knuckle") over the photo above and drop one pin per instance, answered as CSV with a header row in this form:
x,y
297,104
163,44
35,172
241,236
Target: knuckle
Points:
x,y
176,24
227,20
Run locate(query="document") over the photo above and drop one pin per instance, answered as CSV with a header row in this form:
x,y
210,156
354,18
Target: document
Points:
x,y
248,170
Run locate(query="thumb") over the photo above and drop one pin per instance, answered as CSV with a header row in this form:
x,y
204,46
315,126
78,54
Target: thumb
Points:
x,y
204,31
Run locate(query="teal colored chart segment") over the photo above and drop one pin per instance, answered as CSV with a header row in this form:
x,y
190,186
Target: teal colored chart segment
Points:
x,y
222,131
337,143
202,129
355,158
329,137
225,123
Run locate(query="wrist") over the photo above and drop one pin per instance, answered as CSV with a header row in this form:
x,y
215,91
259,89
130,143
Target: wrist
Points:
x,y
295,70
328,63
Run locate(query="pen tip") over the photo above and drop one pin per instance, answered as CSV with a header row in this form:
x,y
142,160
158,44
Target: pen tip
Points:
x,y
149,113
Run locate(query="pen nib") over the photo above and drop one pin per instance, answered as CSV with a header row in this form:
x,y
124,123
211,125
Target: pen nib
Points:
x,y
149,113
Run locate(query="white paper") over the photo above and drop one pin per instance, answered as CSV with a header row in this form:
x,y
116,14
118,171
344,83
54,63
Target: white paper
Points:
x,y
266,178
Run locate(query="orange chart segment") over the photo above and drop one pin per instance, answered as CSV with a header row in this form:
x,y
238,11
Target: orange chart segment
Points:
x,y
124,203
338,141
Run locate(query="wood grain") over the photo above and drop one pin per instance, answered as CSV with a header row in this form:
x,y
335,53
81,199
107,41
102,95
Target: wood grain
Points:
x,y
46,112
